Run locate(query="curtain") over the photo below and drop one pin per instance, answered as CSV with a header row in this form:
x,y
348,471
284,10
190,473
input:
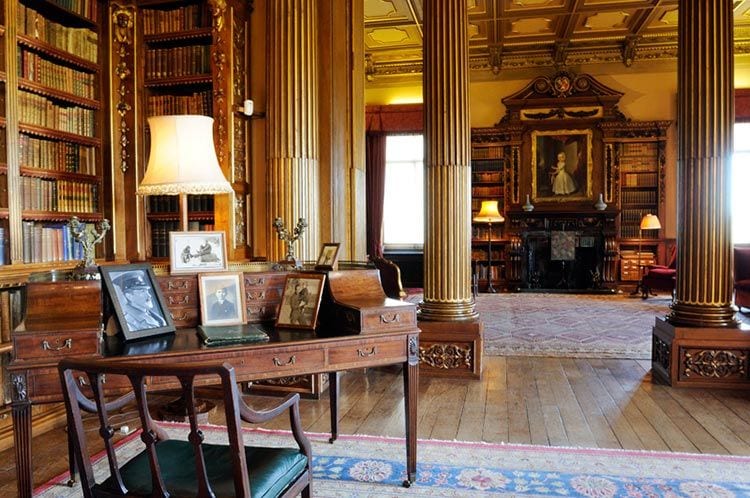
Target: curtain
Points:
x,y
375,191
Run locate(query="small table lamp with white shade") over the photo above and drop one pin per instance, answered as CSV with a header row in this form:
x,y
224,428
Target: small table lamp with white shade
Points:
x,y
182,160
648,222
489,214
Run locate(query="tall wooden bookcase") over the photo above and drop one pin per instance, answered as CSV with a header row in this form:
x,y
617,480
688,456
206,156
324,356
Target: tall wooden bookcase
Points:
x,y
53,95
487,184
195,55
635,152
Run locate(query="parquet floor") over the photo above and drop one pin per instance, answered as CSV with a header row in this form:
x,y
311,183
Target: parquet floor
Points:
x,y
600,403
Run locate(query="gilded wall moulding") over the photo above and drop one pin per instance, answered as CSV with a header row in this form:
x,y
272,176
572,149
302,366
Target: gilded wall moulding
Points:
x,y
122,40
219,58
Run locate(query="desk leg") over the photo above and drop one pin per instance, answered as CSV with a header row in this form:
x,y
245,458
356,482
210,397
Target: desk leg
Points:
x,y
22,435
333,393
411,394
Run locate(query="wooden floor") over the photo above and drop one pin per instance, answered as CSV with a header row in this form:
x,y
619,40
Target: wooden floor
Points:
x,y
599,403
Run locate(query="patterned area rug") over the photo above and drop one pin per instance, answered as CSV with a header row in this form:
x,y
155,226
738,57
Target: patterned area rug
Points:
x,y
570,325
361,466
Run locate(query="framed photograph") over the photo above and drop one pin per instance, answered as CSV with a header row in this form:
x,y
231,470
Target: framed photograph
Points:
x,y
561,165
222,297
192,252
138,303
301,300
329,256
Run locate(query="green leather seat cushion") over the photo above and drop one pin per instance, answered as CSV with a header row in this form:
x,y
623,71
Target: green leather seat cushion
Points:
x,y
271,469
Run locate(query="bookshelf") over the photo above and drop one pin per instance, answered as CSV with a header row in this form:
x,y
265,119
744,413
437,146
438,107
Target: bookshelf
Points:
x,y
487,184
52,120
191,66
636,149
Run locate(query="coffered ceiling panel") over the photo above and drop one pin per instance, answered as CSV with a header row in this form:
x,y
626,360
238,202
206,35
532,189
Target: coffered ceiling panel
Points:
x,y
513,34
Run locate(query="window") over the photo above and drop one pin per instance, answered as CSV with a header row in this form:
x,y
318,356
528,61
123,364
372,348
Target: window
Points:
x,y
403,203
739,181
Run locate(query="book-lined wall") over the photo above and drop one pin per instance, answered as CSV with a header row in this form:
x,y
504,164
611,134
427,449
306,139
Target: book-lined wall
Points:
x,y
53,156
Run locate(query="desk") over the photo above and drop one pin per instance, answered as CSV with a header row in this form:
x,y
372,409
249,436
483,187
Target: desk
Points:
x,y
287,353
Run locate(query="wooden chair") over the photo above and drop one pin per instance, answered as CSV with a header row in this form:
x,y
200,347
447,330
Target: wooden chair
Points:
x,y
659,276
742,276
175,467
390,277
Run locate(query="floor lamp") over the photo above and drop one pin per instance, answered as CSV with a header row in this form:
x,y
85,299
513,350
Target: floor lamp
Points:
x,y
183,160
489,214
648,222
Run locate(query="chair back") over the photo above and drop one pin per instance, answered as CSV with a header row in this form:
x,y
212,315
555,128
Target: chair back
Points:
x,y
390,277
79,375
741,262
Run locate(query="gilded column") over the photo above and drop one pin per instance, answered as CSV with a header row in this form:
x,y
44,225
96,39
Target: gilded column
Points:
x,y
292,113
705,120
447,248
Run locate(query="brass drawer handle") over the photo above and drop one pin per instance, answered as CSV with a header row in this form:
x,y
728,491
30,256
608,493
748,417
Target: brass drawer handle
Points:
x,y
68,343
394,318
362,353
279,363
256,295
180,284
179,299
183,316
83,382
255,281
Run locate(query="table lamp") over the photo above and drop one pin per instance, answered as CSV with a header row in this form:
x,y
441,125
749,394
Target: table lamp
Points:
x,y
182,160
489,214
648,222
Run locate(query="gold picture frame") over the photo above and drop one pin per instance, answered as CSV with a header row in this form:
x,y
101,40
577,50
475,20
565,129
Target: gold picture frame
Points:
x,y
300,301
561,165
222,298
329,256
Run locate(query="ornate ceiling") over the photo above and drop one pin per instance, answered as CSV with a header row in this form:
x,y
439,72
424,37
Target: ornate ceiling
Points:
x,y
516,34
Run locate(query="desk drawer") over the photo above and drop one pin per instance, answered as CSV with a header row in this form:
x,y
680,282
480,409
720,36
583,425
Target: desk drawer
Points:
x,y
352,356
35,346
384,320
254,295
262,311
264,280
188,283
185,317
283,363
181,299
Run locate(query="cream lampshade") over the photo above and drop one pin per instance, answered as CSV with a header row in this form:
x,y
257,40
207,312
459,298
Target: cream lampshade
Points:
x,y
182,160
489,214
650,222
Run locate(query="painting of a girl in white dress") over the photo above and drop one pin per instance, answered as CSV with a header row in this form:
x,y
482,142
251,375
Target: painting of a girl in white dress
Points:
x,y
562,165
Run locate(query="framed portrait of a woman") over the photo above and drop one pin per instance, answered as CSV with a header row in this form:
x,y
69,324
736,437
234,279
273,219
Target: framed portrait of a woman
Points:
x,y
561,164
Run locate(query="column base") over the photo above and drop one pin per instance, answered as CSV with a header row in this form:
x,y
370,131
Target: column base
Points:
x,y
709,357
451,349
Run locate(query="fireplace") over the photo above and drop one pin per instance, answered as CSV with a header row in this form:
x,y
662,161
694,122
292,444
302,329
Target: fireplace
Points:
x,y
564,251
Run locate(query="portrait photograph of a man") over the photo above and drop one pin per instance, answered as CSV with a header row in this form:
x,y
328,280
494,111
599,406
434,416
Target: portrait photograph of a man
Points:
x,y
138,304
222,298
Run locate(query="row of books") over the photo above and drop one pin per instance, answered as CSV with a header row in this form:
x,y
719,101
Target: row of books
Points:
x,y
179,19
56,156
192,60
639,179
171,203
486,176
638,149
496,271
632,216
639,197
48,242
493,165
634,232
42,194
85,8
34,67
481,254
486,152
480,232
80,42
486,191
41,111
197,103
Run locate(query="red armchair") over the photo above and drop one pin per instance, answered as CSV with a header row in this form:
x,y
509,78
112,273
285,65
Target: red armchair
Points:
x,y
660,277
742,276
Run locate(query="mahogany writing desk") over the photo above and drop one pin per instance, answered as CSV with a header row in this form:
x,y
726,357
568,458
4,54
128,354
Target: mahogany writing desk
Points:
x,y
289,352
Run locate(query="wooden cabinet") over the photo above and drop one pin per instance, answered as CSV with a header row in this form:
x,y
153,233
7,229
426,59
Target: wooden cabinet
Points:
x,y
195,55
53,102
487,184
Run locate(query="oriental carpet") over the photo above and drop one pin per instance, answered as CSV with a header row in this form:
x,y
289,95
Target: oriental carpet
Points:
x,y
362,466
